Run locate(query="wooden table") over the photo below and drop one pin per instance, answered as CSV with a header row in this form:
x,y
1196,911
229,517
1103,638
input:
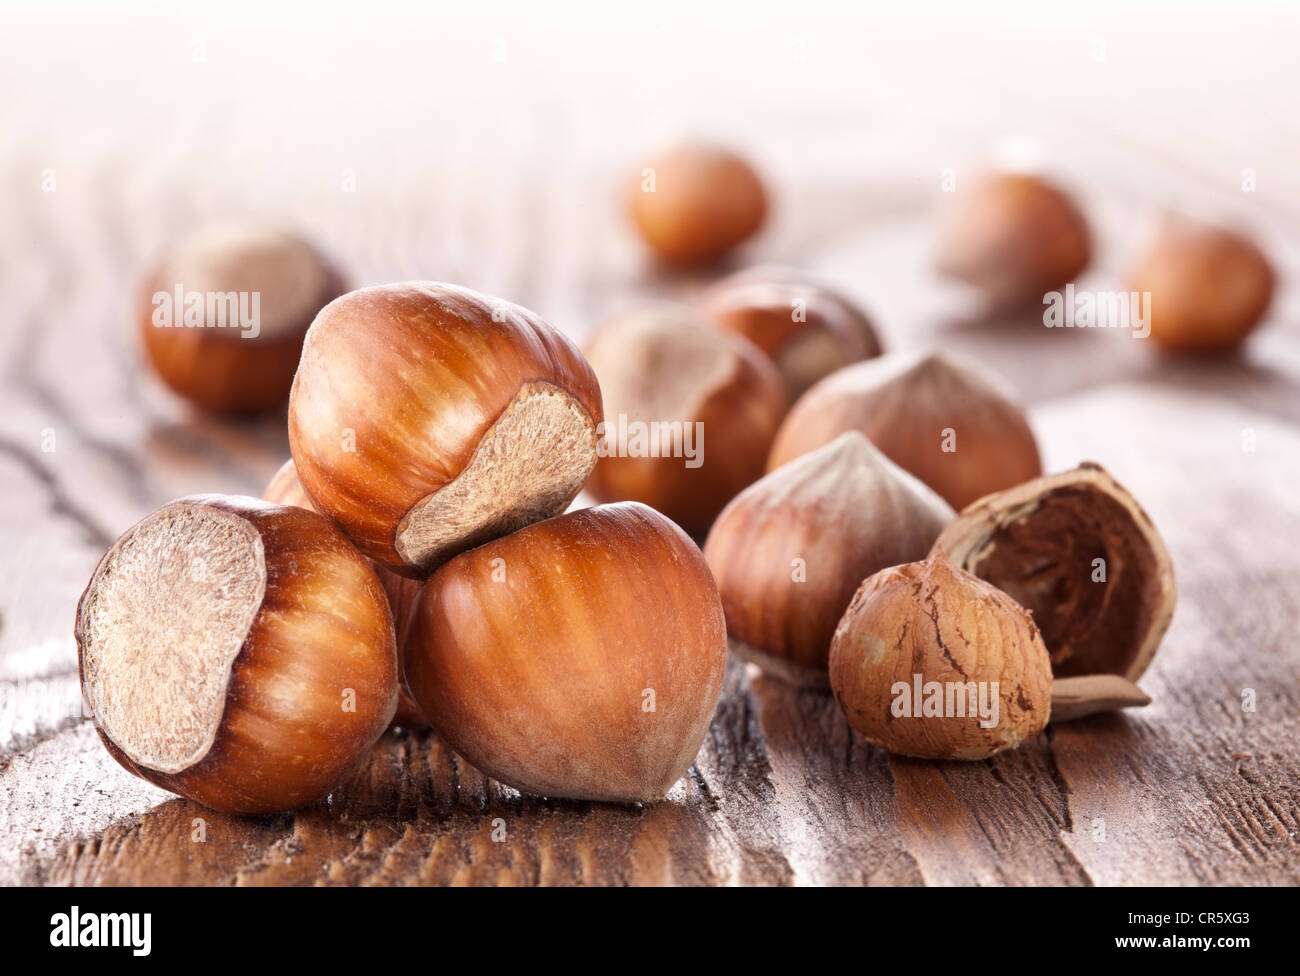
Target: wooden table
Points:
x,y
1193,789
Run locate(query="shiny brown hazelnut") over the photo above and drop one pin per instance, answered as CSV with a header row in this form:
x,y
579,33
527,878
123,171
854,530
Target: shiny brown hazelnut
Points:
x,y
426,419
238,653
690,413
1014,237
284,488
807,330
941,419
696,202
579,657
223,314
1209,286
931,661
1078,551
790,550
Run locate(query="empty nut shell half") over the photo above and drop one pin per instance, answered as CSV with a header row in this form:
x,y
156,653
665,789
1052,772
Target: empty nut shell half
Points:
x,y
1078,551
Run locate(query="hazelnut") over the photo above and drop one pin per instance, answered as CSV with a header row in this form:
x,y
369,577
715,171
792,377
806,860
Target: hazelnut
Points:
x,y
669,380
427,418
579,657
807,330
1013,236
238,653
791,549
1078,551
941,419
284,488
931,661
1209,286
223,315
696,202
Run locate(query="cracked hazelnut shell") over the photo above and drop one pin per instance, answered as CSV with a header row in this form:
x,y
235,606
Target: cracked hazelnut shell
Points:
x,y
930,624
905,404
226,369
284,488
1014,237
579,657
1039,543
806,329
663,365
695,203
1209,286
427,418
790,551
238,653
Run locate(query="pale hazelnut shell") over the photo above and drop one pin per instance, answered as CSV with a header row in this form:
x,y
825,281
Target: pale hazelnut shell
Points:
x,y
933,620
790,551
904,403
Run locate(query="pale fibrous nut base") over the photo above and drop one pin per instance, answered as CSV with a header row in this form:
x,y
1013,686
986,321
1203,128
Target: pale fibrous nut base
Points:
x,y
791,672
164,618
529,466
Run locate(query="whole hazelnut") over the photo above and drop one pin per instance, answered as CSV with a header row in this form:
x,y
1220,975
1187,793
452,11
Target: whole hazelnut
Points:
x,y
579,657
696,202
1209,286
933,662
1078,551
223,314
807,330
238,653
1014,237
690,413
789,552
284,488
426,419
941,419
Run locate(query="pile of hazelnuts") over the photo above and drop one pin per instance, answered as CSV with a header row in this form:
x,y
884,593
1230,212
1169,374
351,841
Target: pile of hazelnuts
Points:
x,y
768,481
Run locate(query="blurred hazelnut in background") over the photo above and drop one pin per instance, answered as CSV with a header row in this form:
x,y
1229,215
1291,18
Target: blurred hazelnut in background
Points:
x,y
941,419
1013,236
695,203
690,412
1209,286
222,316
805,328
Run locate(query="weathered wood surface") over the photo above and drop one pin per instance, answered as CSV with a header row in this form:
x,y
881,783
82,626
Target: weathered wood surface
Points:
x,y
1190,790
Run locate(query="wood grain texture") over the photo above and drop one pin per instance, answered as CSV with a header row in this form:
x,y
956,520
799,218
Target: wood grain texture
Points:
x,y
1192,789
